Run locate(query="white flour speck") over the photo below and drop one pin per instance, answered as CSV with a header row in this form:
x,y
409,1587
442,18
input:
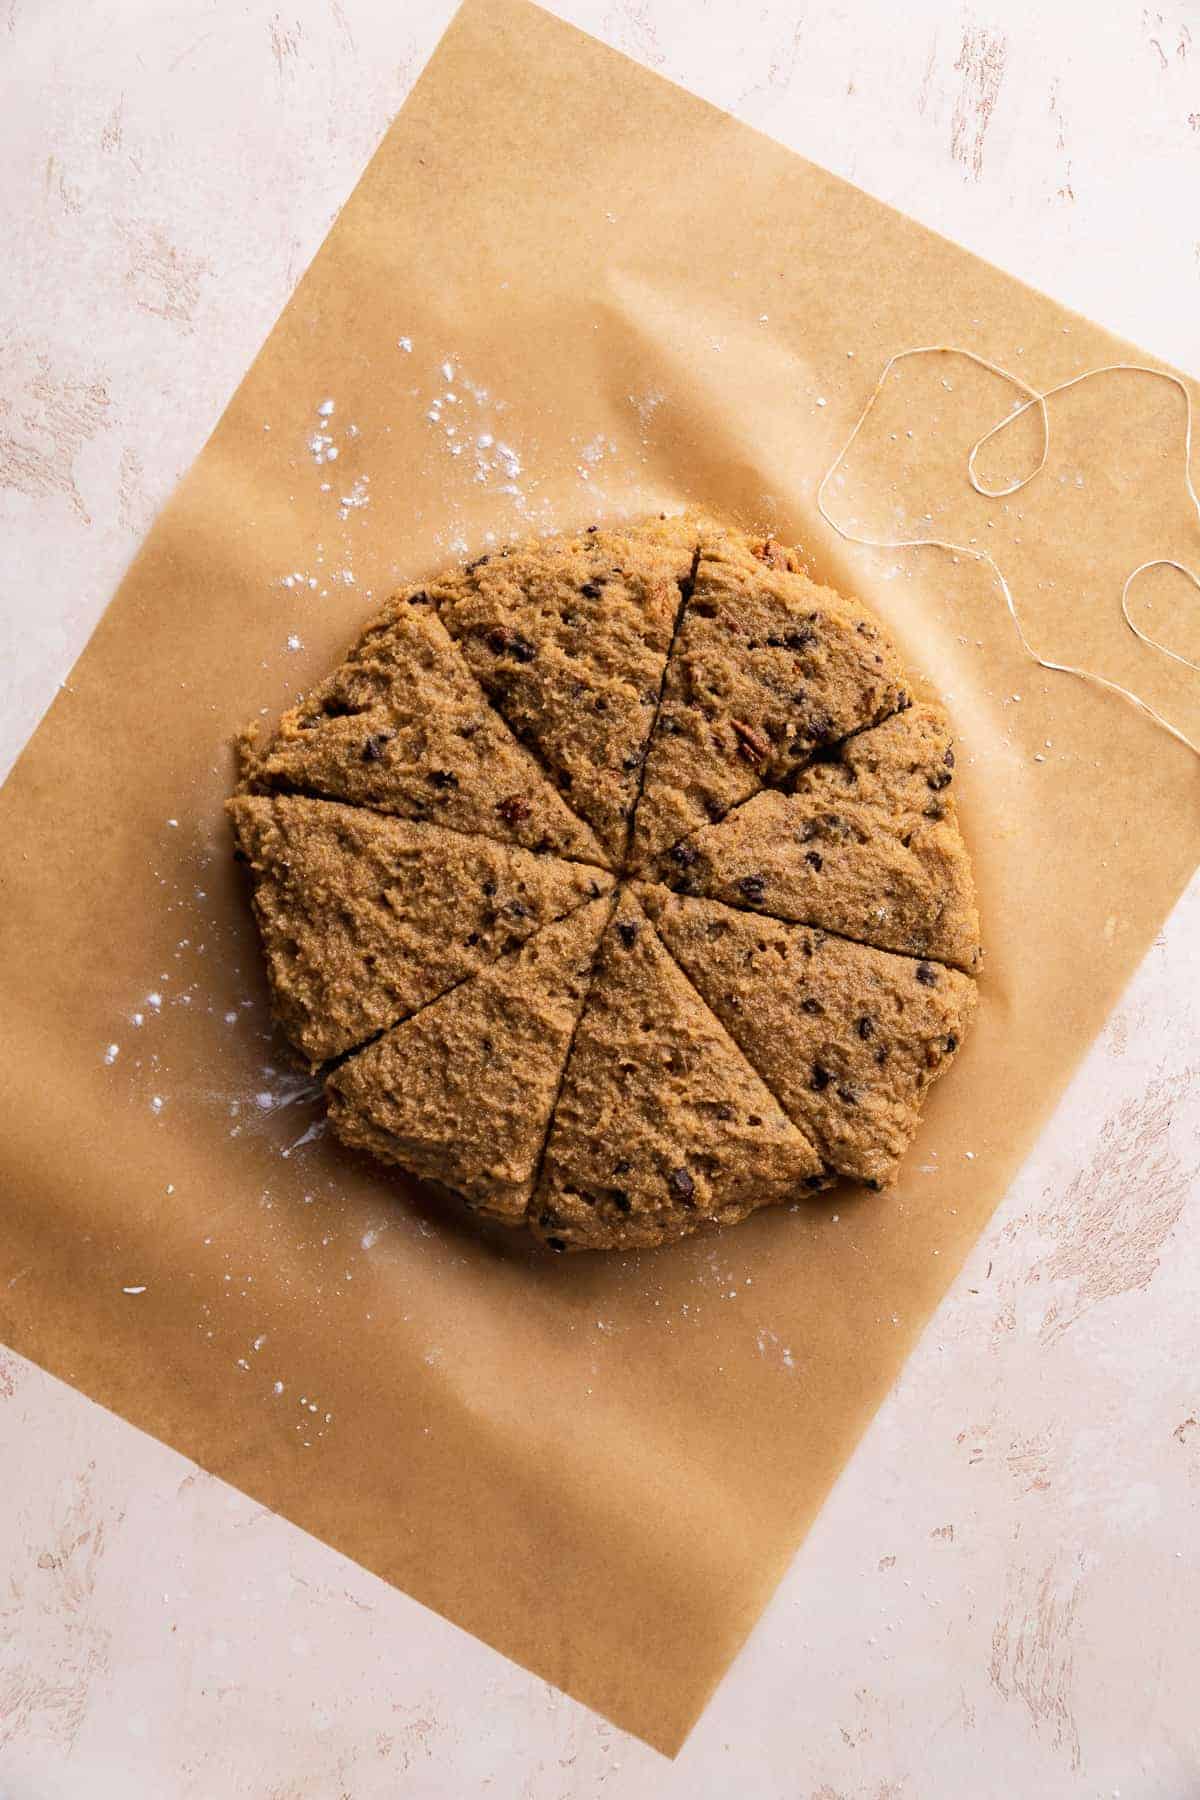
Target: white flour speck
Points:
x,y
112,1053
174,824
509,461
326,408
405,344
646,405
769,1345
294,642
154,1000
316,1130
596,450
277,1388
448,370
357,497
133,1290
157,1103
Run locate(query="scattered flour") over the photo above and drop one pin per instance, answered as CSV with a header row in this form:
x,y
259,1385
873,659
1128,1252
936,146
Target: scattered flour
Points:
x,y
647,404
771,1347
309,1136
357,498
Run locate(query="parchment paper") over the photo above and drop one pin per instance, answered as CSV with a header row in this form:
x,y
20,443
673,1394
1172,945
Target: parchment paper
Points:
x,y
599,1465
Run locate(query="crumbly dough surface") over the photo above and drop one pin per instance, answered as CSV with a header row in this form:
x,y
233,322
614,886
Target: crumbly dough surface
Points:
x,y
866,844
617,884
662,1124
767,668
569,639
462,1094
364,918
847,1037
402,726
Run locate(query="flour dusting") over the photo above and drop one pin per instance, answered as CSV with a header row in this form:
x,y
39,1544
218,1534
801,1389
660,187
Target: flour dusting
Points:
x,y
773,1349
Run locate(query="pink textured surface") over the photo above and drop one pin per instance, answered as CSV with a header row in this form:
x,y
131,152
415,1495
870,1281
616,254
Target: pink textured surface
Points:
x,y
1000,1597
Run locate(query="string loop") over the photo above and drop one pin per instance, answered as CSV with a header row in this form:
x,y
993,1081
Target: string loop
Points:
x,y
1033,397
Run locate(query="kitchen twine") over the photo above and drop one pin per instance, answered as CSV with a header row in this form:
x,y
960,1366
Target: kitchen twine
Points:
x,y
1034,397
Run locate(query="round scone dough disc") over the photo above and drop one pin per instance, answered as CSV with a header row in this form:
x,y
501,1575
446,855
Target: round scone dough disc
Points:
x,y
619,878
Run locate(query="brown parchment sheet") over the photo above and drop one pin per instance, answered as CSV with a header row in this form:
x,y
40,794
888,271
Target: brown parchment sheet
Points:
x,y
600,1465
